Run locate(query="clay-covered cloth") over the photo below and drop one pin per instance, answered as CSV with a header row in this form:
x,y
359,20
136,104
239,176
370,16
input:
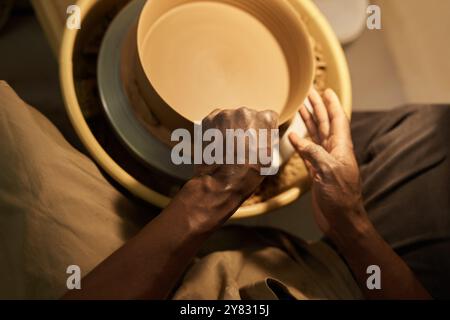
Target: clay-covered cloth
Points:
x,y
57,210
264,263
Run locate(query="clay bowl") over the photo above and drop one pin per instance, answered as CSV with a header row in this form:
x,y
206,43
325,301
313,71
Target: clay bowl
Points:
x,y
338,78
196,56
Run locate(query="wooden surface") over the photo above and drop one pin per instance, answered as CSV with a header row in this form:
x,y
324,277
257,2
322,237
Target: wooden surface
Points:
x,y
52,16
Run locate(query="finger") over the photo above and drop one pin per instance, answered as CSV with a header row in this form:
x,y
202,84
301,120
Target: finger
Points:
x,y
242,117
339,124
310,168
214,113
208,121
321,114
270,117
223,119
310,152
245,112
309,123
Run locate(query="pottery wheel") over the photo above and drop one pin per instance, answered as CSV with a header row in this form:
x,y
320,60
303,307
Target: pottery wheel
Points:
x,y
79,58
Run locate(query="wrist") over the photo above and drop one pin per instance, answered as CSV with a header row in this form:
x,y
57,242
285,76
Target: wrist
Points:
x,y
353,233
205,203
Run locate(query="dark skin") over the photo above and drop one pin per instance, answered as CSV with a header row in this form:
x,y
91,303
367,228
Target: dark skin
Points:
x,y
337,201
150,264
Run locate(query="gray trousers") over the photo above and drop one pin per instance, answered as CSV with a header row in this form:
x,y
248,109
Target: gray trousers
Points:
x,y
404,160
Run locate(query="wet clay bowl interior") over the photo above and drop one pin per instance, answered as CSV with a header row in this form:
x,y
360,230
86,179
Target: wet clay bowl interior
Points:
x,y
195,56
77,66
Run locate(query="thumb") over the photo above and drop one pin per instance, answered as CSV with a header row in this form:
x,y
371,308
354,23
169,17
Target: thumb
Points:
x,y
311,152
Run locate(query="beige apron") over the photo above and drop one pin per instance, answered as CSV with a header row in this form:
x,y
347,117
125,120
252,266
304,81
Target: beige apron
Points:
x,y
57,210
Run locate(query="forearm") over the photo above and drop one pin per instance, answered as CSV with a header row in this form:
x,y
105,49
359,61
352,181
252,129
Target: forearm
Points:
x,y
149,265
361,247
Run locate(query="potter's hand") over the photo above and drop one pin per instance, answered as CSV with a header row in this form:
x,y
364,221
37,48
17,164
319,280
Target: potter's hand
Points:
x,y
241,179
160,253
331,162
338,205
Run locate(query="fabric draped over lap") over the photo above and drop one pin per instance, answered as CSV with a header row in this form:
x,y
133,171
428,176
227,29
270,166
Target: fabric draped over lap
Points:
x,y
57,210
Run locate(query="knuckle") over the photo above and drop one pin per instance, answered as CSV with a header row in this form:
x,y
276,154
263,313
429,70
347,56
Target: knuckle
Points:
x,y
244,113
269,116
244,110
212,114
223,115
215,111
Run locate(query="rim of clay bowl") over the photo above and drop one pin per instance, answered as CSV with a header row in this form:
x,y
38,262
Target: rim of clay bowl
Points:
x,y
130,183
279,17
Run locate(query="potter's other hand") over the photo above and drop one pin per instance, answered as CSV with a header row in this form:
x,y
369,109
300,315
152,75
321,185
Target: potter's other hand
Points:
x,y
329,156
241,177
